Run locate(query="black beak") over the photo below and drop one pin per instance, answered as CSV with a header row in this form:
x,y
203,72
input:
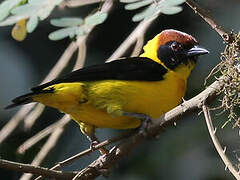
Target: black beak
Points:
x,y
196,51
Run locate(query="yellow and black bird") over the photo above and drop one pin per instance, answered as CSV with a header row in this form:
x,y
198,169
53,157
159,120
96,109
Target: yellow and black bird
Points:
x,y
115,94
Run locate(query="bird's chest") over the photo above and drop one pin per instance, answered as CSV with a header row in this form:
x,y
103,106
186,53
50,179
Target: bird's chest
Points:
x,y
156,98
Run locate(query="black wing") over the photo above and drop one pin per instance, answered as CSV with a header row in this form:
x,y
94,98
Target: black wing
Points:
x,y
136,68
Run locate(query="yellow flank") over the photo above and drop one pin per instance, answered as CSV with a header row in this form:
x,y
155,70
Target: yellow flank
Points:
x,y
67,96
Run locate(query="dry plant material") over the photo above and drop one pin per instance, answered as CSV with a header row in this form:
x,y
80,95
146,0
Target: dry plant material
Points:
x,y
230,68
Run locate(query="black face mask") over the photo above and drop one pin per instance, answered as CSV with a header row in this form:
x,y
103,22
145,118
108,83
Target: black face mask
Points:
x,y
173,53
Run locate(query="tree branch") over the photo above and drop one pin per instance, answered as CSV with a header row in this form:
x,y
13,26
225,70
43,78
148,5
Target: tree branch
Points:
x,y
226,36
88,151
9,165
22,113
42,134
139,31
30,119
51,142
217,144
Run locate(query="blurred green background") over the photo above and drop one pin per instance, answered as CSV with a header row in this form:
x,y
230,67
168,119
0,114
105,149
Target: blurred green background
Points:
x,y
183,152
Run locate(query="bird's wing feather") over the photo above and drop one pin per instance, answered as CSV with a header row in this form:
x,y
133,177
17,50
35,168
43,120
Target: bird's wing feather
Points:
x,y
135,68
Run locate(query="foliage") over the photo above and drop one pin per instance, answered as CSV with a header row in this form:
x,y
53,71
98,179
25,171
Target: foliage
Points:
x,y
168,7
75,26
33,11
7,6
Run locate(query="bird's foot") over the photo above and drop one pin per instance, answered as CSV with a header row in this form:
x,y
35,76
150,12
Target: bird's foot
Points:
x,y
93,145
145,121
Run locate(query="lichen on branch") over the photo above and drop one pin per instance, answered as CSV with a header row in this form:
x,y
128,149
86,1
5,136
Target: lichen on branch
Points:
x,y
230,68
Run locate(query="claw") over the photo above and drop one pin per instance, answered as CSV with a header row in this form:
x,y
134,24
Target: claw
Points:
x,y
146,120
94,142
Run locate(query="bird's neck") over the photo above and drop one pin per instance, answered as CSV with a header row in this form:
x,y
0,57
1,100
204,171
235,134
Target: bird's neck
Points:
x,y
150,50
183,70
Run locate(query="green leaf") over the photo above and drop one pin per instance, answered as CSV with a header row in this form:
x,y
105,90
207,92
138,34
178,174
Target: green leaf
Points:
x,y
45,13
138,4
96,18
67,21
80,31
128,1
173,2
6,6
32,24
63,33
36,2
57,2
169,10
13,19
146,13
26,8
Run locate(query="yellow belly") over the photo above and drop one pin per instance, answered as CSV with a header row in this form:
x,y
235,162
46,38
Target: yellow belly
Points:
x,y
98,103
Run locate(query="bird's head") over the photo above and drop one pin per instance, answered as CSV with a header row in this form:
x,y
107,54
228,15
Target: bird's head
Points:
x,y
174,49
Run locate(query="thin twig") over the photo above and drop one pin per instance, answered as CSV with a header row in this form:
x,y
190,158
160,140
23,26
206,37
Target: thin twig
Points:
x,y
76,176
82,50
56,70
14,121
40,135
59,66
33,115
62,62
51,142
226,36
138,46
9,165
77,3
137,32
22,113
87,151
217,144
81,41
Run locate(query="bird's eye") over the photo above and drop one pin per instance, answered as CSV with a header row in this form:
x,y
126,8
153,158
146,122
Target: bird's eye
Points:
x,y
175,46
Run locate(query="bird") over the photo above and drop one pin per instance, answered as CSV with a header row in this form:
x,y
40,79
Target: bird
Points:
x,y
122,93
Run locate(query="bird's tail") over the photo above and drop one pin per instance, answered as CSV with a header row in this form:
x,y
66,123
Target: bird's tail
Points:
x,y
26,98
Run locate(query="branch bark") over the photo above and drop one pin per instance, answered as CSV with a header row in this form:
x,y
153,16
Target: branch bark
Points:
x,y
9,165
220,150
226,36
